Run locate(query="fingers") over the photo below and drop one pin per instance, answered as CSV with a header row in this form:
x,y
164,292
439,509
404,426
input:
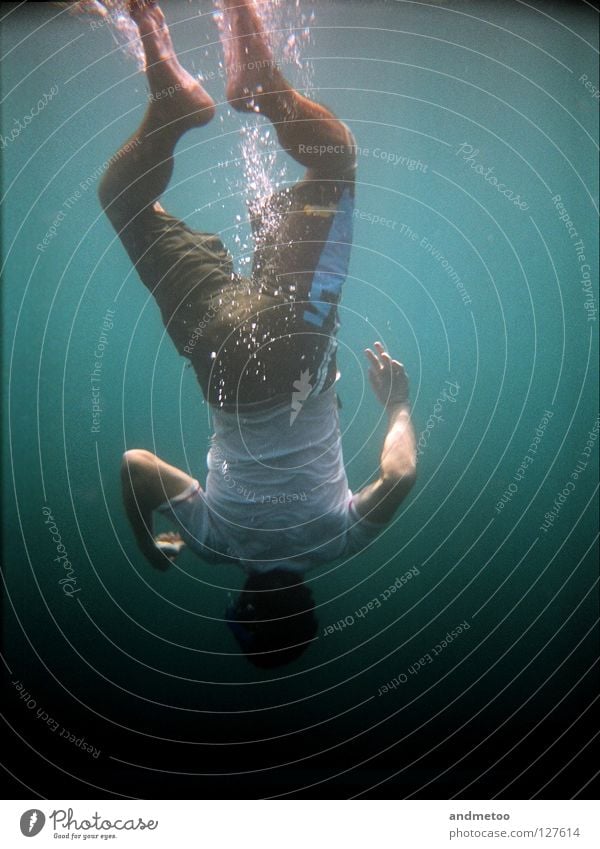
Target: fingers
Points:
x,y
162,539
378,360
169,545
382,360
372,358
387,360
168,536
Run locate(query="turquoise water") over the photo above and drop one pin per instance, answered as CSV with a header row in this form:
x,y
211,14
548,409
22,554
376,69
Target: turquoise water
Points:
x,y
482,294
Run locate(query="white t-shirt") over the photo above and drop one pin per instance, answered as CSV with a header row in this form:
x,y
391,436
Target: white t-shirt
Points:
x,y
276,493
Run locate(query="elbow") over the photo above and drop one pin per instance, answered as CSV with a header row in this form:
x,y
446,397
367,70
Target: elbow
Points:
x,y
403,477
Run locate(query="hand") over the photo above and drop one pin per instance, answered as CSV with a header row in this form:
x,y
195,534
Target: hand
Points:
x,y
388,377
169,544
164,551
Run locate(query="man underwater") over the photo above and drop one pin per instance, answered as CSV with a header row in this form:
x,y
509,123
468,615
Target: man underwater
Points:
x,y
276,500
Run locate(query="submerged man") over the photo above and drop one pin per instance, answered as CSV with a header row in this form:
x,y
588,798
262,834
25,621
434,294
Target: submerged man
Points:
x,y
276,499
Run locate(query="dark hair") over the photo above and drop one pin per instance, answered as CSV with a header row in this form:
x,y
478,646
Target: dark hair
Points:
x,y
273,618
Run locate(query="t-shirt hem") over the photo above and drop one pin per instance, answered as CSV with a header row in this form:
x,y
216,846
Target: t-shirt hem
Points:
x,y
361,520
190,490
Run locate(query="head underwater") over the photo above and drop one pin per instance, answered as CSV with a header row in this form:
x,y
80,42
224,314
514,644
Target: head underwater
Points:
x,y
272,619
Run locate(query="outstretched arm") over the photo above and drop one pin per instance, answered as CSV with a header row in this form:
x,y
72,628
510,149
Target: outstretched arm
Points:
x,y
147,482
398,464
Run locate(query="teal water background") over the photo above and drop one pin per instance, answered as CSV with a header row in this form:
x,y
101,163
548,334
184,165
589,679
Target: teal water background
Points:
x,y
136,660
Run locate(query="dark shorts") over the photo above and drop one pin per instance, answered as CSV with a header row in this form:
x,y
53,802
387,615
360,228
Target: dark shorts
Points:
x,y
250,339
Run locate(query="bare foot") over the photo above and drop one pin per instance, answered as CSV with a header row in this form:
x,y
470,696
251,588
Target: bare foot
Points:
x,y
176,97
138,7
252,74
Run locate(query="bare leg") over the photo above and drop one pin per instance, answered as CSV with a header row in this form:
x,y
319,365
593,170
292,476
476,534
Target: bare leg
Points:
x,y
254,81
142,168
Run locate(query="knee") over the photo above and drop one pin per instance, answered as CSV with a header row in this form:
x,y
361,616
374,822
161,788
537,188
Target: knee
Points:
x,y
136,463
337,158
